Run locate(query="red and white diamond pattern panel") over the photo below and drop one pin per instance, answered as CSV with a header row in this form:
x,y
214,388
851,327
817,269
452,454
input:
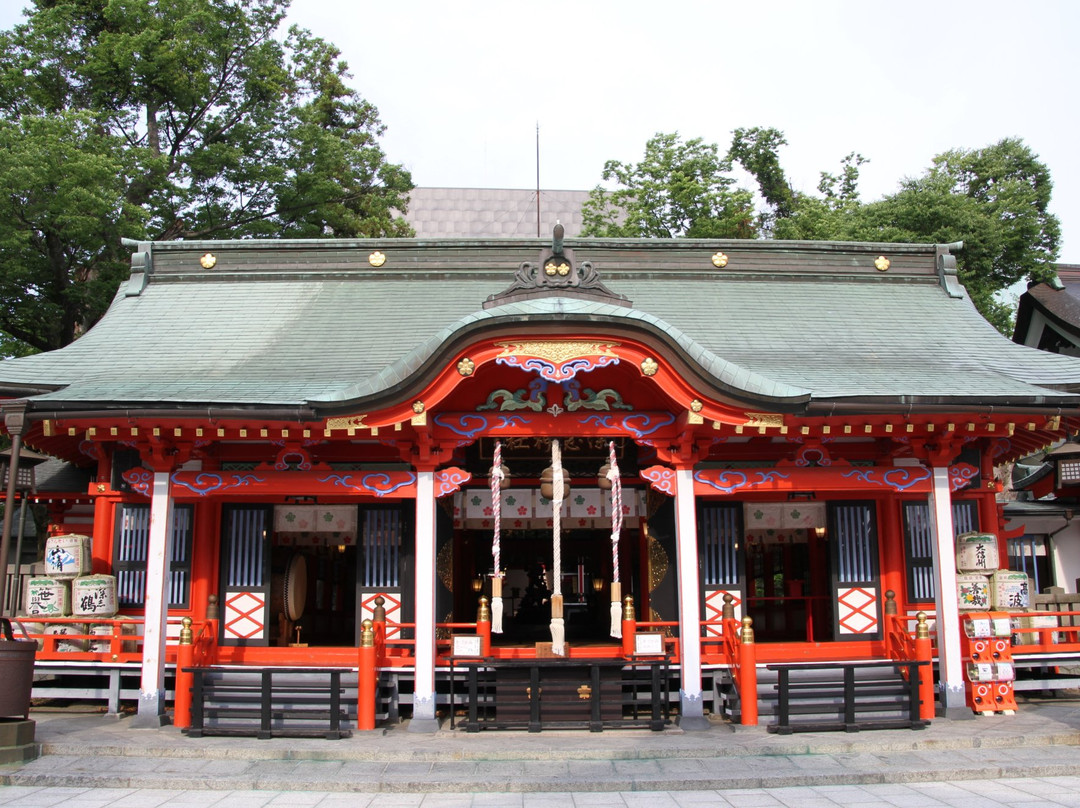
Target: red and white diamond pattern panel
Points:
x,y
857,610
714,609
244,615
392,605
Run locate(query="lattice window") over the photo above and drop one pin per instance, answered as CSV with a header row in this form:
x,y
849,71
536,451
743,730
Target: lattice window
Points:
x,y
130,551
919,543
856,543
246,547
719,530
380,546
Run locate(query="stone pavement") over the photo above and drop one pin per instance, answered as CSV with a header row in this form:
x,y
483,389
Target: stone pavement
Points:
x,y
1049,792
82,751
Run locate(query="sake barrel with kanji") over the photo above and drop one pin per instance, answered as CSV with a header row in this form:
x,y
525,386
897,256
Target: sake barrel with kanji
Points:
x,y
1010,590
67,556
67,630
47,597
977,552
94,596
973,592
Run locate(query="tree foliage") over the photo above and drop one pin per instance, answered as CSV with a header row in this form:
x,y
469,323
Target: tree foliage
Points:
x,y
995,199
186,119
678,189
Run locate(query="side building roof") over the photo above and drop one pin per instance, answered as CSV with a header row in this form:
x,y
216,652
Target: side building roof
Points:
x,y
1048,314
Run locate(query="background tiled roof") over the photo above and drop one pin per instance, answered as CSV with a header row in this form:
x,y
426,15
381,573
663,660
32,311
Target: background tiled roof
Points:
x,y
480,212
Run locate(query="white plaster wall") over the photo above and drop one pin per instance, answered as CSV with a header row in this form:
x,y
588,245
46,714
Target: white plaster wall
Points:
x,y
1064,547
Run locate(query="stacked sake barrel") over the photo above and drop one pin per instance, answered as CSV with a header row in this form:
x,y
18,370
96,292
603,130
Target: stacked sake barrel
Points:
x,y
69,590
980,584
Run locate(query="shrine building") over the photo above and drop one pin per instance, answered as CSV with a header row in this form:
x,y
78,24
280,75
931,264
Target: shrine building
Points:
x,y
282,432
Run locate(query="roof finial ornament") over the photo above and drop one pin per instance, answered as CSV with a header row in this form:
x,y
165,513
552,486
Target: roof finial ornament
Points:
x,y
558,272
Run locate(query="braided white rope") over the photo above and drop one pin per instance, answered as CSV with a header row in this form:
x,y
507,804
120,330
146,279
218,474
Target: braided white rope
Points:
x,y
615,611
558,632
497,476
556,518
616,510
496,502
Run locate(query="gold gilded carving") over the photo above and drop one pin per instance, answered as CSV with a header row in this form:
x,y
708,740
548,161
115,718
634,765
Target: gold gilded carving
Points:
x,y
418,407
696,405
719,260
694,418
346,422
376,259
649,366
557,351
764,419
584,693
420,419
882,263
208,260
466,367
551,268
444,566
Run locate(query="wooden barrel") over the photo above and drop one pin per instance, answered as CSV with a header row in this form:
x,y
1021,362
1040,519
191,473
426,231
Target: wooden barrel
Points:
x,y
67,556
94,596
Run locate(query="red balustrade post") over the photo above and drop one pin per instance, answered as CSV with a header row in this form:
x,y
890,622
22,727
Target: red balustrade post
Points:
x,y
629,626
924,652
483,627
748,694
378,619
365,687
185,658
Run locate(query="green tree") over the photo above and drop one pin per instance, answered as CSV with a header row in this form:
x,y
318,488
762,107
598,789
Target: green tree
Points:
x,y
995,199
678,189
756,150
186,119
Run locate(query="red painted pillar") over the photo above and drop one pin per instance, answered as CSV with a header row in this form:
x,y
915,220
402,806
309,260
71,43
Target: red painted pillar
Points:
x,y
365,688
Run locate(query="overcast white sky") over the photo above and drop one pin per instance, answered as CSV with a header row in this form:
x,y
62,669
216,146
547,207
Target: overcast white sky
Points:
x,y
462,85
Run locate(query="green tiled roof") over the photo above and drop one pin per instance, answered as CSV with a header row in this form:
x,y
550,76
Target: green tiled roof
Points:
x,y
313,323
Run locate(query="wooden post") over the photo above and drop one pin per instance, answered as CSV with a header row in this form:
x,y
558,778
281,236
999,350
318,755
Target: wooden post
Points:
x,y
185,659
209,643
924,652
629,626
365,687
483,626
748,674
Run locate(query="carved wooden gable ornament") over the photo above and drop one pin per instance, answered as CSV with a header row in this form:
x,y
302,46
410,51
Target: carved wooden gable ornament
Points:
x,y
556,273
